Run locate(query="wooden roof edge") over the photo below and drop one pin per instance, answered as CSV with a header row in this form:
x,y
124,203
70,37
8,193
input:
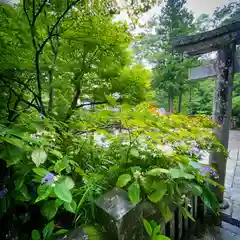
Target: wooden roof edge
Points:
x,y
206,36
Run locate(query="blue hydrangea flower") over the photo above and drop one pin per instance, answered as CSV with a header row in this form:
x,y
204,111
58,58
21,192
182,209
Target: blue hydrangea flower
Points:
x,y
49,178
204,170
196,150
3,192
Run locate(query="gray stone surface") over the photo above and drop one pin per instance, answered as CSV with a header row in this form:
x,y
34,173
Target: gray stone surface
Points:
x,y
218,233
232,179
236,210
121,219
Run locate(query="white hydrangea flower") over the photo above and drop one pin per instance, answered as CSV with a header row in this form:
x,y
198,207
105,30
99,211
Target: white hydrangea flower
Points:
x,y
116,95
101,140
167,149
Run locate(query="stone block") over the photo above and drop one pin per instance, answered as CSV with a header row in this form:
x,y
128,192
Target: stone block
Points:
x,y
121,219
236,194
236,211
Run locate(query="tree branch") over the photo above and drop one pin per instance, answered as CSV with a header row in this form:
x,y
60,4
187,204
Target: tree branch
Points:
x,y
20,96
56,24
25,11
51,70
25,101
38,12
90,104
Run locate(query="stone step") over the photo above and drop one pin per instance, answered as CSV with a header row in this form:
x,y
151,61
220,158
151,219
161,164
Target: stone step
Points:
x,y
225,232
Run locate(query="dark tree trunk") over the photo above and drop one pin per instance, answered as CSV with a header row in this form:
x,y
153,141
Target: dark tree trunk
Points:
x,y
190,101
170,103
180,102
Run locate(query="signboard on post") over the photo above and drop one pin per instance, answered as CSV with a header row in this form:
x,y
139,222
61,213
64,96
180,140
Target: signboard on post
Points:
x,y
208,71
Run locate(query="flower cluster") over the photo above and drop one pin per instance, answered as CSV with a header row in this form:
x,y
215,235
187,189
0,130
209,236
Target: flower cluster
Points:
x,y
49,178
204,170
116,95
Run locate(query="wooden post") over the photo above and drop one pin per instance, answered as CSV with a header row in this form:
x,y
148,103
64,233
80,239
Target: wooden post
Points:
x,y
222,108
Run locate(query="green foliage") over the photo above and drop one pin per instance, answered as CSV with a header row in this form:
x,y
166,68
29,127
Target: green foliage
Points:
x,y
75,120
153,230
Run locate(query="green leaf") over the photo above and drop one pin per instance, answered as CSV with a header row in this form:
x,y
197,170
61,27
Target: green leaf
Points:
x,y
39,156
136,169
61,232
146,183
156,230
157,172
214,183
49,209
187,214
134,152
36,235
161,237
79,171
62,191
94,233
147,227
166,212
44,190
210,199
111,100
69,182
41,172
134,192
56,153
179,173
48,229
61,165
176,173
59,202
21,194
157,195
123,180
71,207
17,142
196,189
19,183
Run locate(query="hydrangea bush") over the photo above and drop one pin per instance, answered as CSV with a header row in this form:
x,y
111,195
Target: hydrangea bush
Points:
x,y
62,167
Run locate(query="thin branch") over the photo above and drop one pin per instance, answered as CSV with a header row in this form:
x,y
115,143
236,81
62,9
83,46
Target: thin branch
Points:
x,y
38,12
20,96
33,11
56,24
77,90
51,70
91,104
9,101
25,11
25,101
26,87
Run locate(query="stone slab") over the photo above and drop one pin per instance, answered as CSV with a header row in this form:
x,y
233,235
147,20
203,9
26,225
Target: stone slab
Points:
x,y
236,210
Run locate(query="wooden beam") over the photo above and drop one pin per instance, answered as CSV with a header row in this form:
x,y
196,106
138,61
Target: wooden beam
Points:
x,y
208,41
207,71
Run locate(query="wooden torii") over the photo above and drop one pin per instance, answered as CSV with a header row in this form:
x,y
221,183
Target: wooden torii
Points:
x,y
224,41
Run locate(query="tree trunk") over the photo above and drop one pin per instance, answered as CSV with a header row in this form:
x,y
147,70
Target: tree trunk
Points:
x,y
180,102
190,101
170,102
